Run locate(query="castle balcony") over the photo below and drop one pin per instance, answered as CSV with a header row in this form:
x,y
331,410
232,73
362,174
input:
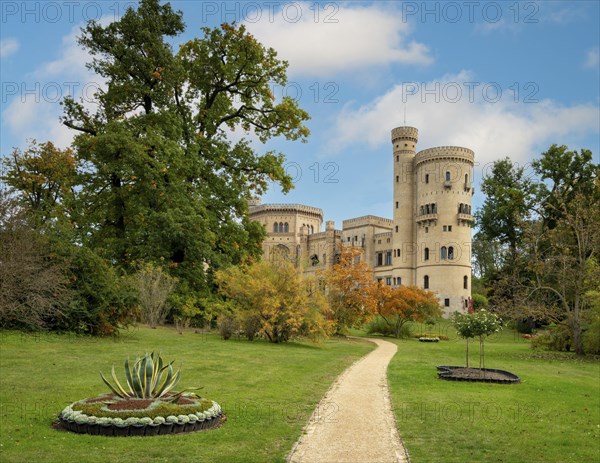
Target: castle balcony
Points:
x,y
465,218
426,218
468,186
448,184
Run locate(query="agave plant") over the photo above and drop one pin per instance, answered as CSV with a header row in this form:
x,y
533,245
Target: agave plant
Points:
x,y
146,379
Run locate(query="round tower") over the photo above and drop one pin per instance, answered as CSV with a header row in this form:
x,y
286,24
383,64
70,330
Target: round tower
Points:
x,y
443,224
404,142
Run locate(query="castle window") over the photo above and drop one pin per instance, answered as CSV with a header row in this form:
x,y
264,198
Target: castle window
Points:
x,y
398,252
388,281
397,178
398,281
286,227
426,282
426,178
275,227
444,253
388,258
450,253
379,258
447,176
388,240
426,229
426,256
434,208
397,158
446,302
422,210
280,227
449,228
466,282
466,178
427,209
396,228
445,228
396,204
324,258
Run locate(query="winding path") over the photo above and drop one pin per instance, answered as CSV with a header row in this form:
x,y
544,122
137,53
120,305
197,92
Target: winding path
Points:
x,y
354,422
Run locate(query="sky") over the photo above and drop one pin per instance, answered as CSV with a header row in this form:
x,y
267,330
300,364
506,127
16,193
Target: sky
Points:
x,y
505,79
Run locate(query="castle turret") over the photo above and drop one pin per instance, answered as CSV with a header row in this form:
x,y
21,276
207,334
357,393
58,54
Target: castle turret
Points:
x,y
443,224
404,141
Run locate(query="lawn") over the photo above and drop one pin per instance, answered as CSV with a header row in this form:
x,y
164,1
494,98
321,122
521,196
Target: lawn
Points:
x,y
553,415
267,391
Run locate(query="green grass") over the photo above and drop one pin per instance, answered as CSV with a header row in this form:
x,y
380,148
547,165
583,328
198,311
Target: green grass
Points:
x,y
267,391
553,415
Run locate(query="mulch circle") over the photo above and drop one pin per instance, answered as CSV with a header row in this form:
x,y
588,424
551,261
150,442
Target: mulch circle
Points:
x,y
483,375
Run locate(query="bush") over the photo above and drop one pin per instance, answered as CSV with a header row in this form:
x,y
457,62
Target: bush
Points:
x,y
591,339
557,338
103,300
227,325
479,301
154,287
251,325
379,326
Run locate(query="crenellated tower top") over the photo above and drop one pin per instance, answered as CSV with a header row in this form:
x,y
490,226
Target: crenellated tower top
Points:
x,y
405,133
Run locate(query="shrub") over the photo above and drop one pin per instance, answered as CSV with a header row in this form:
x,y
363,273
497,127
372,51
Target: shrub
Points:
x,y
227,325
557,338
250,325
591,339
379,326
479,301
154,287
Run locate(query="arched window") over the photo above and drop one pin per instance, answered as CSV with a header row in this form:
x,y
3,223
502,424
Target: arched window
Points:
x,y
312,229
286,227
426,257
447,176
275,227
450,253
427,209
434,208
426,178
398,252
466,282
466,178
426,282
444,253
460,208
422,210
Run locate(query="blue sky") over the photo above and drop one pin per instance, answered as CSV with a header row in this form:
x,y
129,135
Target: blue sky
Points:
x,y
502,78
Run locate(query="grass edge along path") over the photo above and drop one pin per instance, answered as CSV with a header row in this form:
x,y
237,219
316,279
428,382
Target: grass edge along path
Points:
x,y
267,391
553,415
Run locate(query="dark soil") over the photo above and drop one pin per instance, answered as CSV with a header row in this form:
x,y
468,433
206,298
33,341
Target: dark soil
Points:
x,y
131,404
476,373
486,375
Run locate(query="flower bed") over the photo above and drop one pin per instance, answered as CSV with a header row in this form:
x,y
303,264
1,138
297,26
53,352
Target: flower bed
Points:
x,y
484,375
111,415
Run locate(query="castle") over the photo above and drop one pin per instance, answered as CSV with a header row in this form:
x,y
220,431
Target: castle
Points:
x,y
427,243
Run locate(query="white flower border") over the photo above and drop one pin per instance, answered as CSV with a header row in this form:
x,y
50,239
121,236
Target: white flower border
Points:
x,y
68,414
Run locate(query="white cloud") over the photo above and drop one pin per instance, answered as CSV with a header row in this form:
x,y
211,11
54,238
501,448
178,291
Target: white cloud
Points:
x,y
473,119
34,110
592,58
360,37
8,47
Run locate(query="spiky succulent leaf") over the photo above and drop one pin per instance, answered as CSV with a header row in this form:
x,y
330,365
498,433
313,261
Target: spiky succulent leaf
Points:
x,y
118,384
148,374
110,385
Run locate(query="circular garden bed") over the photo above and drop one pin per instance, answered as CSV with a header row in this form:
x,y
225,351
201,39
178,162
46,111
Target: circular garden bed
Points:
x,y
485,375
111,415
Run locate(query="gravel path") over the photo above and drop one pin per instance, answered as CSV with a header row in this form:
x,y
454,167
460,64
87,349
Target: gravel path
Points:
x,y
354,422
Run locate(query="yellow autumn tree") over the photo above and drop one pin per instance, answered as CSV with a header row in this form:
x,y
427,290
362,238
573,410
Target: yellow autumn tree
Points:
x,y
350,287
285,304
398,305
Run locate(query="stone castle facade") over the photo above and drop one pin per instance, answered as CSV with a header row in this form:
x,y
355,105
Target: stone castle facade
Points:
x,y
426,244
